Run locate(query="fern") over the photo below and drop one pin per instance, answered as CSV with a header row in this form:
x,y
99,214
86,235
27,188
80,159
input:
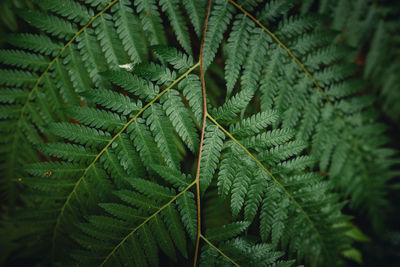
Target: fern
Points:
x,y
104,118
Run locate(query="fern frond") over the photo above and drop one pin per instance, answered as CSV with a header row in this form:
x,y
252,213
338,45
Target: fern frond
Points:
x,y
178,23
213,140
128,29
34,42
81,134
220,16
163,133
23,59
49,23
236,50
183,124
69,9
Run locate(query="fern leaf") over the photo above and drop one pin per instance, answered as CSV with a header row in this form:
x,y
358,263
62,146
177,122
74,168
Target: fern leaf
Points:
x,y
162,130
255,195
109,41
183,124
151,190
252,66
212,147
162,237
34,42
151,21
23,59
178,23
187,209
48,23
81,134
149,245
254,124
70,152
17,77
227,231
220,16
128,26
144,143
173,176
12,95
133,83
195,10
69,9
177,59
92,57
191,87
128,157
175,227
100,119
236,104
237,48
114,101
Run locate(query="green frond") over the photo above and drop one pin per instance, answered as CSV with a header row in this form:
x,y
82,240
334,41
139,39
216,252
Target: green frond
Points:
x,y
48,23
99,4
23,59
63,82
178,23
255,195
195,10
13,95
109,41
254,124
69,152
76,70
274,9
180,119
92,57
175,227
101,116
163,134
296,25
220,16
191,88
177,59
34,42
151,189
114,101
258,45
155,72
176,178
81,134
132,83
128,29
234,105
187,209
128,156
237,48
100,119
269,138
54,169
151,21
227,172
144,143
227,232
69,9
213,141
17,78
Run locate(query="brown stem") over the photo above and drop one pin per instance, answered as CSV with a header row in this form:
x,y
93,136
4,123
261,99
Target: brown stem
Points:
x,y
203,86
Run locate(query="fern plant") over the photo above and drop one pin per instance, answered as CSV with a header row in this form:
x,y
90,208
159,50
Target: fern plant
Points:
x,y
214,133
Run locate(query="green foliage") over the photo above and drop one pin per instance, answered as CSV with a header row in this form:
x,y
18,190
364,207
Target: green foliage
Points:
x,y
101,120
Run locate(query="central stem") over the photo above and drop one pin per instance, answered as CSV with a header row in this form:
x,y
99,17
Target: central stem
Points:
x,y
203,87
